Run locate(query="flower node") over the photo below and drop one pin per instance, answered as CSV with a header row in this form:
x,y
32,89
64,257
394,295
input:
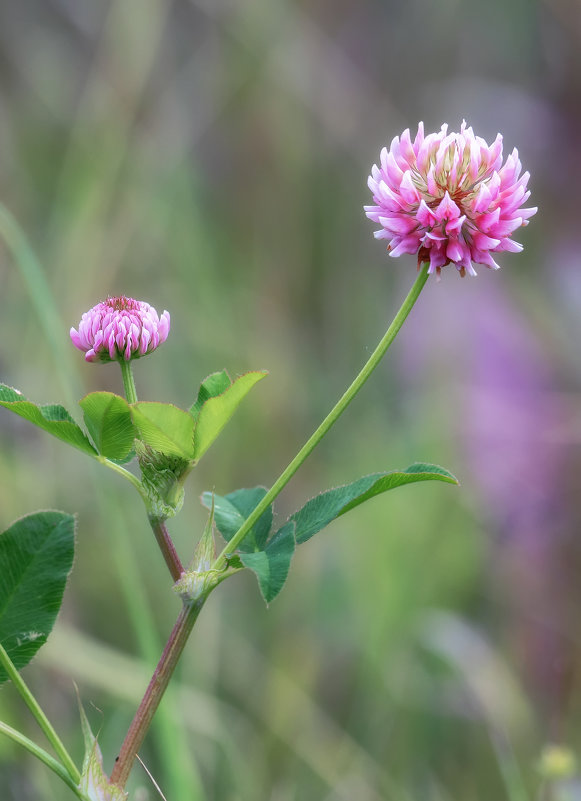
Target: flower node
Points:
x,y
120,329
448,198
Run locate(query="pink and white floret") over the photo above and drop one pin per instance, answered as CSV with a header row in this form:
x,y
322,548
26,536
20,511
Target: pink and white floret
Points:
x,y
448,198
120,329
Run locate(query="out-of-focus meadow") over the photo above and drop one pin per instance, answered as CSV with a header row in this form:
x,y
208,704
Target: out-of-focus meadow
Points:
x,y
211,157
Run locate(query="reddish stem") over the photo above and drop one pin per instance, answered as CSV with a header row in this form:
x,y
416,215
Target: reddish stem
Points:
x,y
154,693
167,547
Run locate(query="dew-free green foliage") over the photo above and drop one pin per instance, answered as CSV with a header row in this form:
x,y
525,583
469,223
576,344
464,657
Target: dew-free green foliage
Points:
x,y
322,509
51,417
165,428
108,420
214,413
270,556
212,386
113,424
281,266
36,554
272,565
231,511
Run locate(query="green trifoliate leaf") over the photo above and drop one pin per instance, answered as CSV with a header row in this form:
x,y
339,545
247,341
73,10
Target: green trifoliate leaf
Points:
x,y
36,556
50,417
230,512
108,420
321,510
215,384
94,781
165,428
272,565
214,413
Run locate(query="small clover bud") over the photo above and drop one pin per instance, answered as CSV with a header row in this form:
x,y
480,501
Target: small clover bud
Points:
x,y
120,329
448,198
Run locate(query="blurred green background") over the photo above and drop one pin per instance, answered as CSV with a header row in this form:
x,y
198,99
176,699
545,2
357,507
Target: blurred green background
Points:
x,y
211,157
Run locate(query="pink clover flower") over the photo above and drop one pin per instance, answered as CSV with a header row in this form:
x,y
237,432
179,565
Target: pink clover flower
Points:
x,y
120,329
448,198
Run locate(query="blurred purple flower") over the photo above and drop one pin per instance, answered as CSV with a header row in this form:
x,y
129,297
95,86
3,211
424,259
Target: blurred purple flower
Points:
x,y
448,198
120,329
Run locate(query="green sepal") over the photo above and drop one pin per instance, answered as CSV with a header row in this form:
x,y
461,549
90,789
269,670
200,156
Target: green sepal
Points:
x,y
215,411
94,781
230,512
109,423
271,566
326,507
205,552
162,478
36,557
51,417
198,580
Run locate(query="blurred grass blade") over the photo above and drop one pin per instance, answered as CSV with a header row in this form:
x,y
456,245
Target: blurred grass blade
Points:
x,y
42,300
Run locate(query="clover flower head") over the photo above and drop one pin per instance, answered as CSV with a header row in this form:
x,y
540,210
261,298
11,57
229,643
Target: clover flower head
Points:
x,y
448,198
120,329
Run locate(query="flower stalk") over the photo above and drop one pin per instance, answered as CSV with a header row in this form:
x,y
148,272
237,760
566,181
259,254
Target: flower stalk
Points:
x,y
191,609
128,381
329,420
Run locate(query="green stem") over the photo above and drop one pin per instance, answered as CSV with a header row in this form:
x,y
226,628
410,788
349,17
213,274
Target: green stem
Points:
x,y
154,693
331,418
189,613
44,756
128,381
123,472
159,528
41,718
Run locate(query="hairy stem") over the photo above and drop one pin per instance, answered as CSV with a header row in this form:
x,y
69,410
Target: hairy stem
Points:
x,y
162,535
167,547
190,612
331,418
154,693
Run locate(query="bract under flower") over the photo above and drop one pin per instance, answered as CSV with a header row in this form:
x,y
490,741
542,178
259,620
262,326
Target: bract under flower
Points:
x,y
448,198
120,329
